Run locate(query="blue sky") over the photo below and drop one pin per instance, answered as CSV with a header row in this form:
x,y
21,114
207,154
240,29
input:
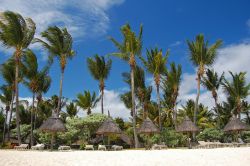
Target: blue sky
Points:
x,y
167,24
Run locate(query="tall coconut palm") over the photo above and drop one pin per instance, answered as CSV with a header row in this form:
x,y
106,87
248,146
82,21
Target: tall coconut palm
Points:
x,y
156,65
16,32
201,55
129,48
6,99
212,83
87,101
100,69
170,85
32,80
237,89
8,73
59,44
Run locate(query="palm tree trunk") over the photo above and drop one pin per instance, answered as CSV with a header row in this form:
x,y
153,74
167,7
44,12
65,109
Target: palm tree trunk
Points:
x,y
217,109
4,125
102,95
11,111
60,94
17,97
133,106
159,104
196,106
31,121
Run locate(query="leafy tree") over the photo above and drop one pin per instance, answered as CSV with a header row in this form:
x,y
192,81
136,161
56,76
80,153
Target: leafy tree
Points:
x,y
156,64
59,44
170,85
16,32
100,70
128,49
201,55
212,83
237,89
87,101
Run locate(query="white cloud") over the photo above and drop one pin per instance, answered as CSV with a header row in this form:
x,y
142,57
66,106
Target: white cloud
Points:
x,y
233,58
81,17
177,43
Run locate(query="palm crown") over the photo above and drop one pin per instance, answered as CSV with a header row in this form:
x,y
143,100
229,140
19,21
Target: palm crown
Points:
x,y
87,101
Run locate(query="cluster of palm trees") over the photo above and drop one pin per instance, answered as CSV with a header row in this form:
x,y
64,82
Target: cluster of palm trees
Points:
x,y
18,33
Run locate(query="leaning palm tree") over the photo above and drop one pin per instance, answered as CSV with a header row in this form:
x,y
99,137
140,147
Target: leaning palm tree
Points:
x,y
59,44
16,32
6,99
32,79
237,89
156,64
170,85
87,101
100,69
201,55
129,48
212,83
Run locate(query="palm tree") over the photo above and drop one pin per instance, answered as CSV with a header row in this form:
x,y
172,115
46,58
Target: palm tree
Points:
x,y
156,64
6,99
170,85
71,109
201,55
16,32
87,101
212,83
129,48
237,89
204,116
59,44
8,73
33,78
100,70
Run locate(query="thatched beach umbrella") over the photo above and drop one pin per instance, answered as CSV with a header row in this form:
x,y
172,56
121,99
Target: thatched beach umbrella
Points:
x,y
52,125
108,128
235,126
147,128
187,126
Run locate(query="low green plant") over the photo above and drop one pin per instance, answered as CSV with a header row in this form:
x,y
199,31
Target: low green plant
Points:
x,y
210,134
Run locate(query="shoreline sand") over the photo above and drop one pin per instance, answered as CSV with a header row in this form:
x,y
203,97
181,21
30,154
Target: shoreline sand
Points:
x,y
184,157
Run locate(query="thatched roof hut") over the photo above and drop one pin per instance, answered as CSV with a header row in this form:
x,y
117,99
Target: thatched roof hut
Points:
x,y
235,125
53,124
148,127
187,126
108,127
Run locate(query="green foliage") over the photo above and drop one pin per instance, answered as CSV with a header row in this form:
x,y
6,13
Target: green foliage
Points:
x,y
210,134
87,101
170,137
24,131
246,136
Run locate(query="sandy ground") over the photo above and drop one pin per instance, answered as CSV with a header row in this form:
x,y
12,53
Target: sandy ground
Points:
x,y
183,157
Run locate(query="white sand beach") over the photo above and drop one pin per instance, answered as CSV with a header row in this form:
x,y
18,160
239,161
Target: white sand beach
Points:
x,y
183,157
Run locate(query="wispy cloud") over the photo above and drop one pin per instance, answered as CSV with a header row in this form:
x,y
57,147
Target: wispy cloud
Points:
x,y
175,44
81,17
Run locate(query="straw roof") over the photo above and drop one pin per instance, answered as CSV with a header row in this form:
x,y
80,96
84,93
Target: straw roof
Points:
x,y
53,124
187,126
235,125
108,127
148,127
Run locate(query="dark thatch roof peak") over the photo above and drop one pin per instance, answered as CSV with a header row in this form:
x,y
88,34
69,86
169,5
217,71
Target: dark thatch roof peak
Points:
x,y
235,125
53,124
108,127
148,127
187,126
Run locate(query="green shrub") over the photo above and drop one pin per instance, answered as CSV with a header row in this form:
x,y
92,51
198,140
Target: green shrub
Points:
x,y
210,134
246,136
170,137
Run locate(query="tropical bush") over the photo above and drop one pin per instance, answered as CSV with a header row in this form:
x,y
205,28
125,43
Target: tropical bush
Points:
x,y
210,134
170,137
